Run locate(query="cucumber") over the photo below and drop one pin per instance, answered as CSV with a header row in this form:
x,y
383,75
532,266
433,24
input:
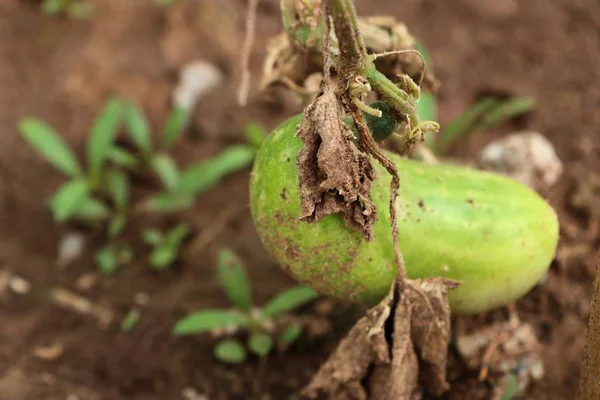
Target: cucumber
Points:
x,y
495,235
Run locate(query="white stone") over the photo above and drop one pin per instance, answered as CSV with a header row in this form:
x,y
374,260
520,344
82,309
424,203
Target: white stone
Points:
x,y
525,156
195,80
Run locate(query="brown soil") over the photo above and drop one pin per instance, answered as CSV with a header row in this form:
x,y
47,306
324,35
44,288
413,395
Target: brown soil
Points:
x,y
62,71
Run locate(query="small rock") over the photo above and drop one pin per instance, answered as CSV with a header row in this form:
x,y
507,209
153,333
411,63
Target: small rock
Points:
x,y
50,352
525,156
196,79
141,298
190,393
70,247
19,285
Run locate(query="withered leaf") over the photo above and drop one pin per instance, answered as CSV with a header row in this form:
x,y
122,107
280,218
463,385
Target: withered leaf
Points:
x,y
334,175
398,369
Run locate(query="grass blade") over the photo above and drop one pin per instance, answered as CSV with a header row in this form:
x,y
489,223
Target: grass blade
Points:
x,y
49,145
208,320
288,300
69,199
465,123
233,279
506,110
174,128
255,134
201,177
166,169
122,158
102,136
118,186
138,128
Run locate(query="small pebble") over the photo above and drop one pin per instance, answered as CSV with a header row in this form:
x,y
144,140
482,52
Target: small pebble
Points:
x,y
196,79
525,156
70,248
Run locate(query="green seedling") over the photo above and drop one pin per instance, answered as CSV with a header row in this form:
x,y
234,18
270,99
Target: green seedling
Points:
x,y
264,325
83,196
482,115
166,247
76,9
130,320
166,3
181,186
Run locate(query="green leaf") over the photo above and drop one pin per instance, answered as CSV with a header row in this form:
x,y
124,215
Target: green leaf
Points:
x,y
69,199
465,123
208,320
427,111
166,3
118,186
80,10
290,335
130,320
288,300
176,235
511,387
116,225
255,134
49,145
233,279
92,209
138,128
122,158
174,127
201,177
102,136
52,7
169,202
505,111
230,351
163,256
152,236
106,260
166,169
260,344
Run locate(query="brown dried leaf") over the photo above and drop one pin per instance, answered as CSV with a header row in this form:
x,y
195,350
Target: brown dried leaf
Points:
x,y
430,330
421,332
334,176
341,375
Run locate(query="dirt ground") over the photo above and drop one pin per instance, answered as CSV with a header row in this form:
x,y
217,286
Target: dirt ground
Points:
x,y
62,71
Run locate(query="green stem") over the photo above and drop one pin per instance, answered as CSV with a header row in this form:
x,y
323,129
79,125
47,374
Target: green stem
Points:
x,y
398,99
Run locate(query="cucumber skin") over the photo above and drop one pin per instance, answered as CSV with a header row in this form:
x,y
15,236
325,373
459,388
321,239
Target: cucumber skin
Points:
x,y
495,235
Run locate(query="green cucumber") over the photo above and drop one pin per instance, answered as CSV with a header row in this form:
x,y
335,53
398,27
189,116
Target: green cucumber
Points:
x,y
495,235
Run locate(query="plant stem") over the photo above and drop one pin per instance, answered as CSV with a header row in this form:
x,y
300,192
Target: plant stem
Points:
x,y
353,54
398,99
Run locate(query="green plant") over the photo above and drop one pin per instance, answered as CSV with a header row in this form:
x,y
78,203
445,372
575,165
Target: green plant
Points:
x,y
456,222
99,195
265,326
166,247
73,8
484,114
83,196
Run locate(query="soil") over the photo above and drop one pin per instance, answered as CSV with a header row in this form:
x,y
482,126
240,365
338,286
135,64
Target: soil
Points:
x,y
63,71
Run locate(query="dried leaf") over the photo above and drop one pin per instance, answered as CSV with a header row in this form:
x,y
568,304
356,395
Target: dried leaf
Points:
x,y
334,176
396,368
